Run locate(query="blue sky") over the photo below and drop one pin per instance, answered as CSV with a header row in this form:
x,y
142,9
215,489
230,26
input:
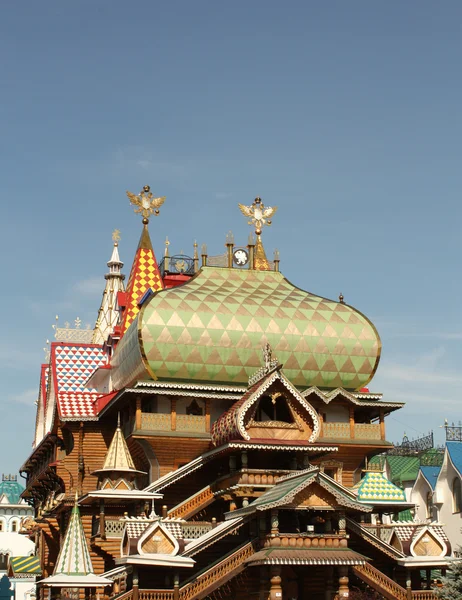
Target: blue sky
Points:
x,y
345,115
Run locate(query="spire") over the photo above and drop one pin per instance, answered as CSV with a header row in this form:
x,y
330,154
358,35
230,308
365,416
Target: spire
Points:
x,y
108,314
145,273
118,457
74,557
260,261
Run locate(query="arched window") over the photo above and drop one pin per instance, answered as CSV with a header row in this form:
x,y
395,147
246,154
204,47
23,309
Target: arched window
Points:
x,y
14,526
1,525
456,495
429,505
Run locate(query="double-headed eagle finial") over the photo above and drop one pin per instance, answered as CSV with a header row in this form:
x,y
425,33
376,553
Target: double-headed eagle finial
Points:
x,y
258,214
145,203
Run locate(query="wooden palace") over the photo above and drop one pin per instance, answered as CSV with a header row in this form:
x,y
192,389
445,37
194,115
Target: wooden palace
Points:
x,y
209,439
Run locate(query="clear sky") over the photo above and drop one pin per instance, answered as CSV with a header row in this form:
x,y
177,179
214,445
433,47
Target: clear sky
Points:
x,y
345,115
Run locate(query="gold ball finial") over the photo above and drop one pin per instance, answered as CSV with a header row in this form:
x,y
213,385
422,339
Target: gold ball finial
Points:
x,y
145,221
146,189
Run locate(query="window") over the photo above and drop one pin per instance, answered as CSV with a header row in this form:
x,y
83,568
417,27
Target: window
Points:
x,y
1,525
429,505
14,526
274,408
456,495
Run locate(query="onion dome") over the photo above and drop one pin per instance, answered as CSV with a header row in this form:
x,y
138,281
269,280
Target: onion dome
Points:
x,y
212,328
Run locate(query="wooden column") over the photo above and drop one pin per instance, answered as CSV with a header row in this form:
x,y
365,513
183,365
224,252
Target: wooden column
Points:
x,y
207,415
321,425
382,424
341,523
274,521
276,588
138,414
173,413
352,422
102,520
176,586
135,584
408,584
343,588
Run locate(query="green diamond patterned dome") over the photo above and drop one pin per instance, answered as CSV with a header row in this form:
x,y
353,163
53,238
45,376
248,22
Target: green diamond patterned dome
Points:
x,y
212,329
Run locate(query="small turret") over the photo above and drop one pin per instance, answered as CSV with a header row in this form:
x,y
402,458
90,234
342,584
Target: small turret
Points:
x,y
108,314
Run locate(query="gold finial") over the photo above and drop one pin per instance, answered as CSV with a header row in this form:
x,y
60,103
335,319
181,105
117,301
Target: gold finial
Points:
x,y
258,215
116,236
341,298
145,203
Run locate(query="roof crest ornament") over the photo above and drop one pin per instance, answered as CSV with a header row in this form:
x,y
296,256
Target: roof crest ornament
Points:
x,y
258,214
270,365
145,203
116,237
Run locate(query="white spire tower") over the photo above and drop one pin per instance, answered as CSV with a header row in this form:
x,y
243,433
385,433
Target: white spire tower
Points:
x,y
108,315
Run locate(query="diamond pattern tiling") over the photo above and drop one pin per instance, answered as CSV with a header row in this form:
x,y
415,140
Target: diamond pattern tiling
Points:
x,y
213,328
72,366
144,275
375,487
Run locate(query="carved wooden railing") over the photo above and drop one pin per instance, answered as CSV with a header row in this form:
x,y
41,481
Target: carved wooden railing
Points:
x,y
424,595
380,582
205,582
369,535
156,595
217,574
125,596
192,505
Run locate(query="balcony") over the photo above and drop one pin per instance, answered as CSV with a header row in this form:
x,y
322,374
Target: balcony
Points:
x,y
350,431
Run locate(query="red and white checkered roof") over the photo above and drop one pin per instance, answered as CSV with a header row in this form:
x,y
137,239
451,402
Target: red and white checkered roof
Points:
x,y
72,365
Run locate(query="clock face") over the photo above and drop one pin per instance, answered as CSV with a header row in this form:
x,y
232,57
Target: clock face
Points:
x,y
240,257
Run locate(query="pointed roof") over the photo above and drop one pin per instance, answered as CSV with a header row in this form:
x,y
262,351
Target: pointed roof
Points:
x,y
74,567
231,425
374,488
144,275
108,315
260,261
118,457
287,488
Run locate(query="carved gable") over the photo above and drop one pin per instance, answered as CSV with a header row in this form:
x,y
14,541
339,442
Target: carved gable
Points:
x,y
315,496
157,540
428,543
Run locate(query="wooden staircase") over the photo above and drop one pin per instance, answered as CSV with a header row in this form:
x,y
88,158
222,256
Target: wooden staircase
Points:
x,y
192,505
387,587
206,582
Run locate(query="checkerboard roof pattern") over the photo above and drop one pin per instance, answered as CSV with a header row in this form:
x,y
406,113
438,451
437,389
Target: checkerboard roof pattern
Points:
x,y
213,328
72,365
144,275
375,487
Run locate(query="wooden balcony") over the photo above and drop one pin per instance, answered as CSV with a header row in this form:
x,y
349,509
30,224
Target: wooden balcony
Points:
x,y
158,423
343,431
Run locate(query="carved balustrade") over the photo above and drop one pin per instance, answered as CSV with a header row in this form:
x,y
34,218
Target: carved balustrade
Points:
x,y
424,595
250,477
195,529
307,540
372,576
163,422
343,431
